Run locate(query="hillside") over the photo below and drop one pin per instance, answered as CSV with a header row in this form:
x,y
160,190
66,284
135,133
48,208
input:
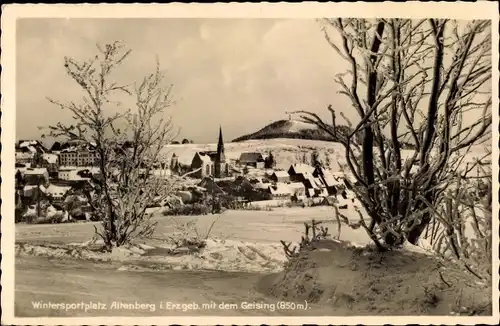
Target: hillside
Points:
x,y
287,129
293,129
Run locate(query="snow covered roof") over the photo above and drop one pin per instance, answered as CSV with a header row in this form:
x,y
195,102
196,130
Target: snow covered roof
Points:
x,y
281,174
55,190
27,143
36,171
251,157
280,189
318,182
329,179
67,168
314,183
21,170
29,187
302,168
69,150
50,158
262,185
206,157
296,185
25,154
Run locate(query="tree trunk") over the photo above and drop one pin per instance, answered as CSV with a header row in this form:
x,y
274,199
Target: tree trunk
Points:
x,y
415,233
368,170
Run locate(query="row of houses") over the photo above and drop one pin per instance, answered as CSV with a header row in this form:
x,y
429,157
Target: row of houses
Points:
x,y
73,153
302,180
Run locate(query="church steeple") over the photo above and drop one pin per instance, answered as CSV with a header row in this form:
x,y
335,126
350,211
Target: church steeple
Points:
x,y
220,159
220,147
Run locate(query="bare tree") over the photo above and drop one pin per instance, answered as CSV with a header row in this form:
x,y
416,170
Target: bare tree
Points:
x,y
127,143
409,81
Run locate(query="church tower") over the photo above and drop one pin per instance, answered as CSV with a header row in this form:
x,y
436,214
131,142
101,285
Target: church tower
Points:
x,y
220,159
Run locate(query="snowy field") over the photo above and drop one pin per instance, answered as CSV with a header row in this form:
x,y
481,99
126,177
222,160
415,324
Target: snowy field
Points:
x,y
233,237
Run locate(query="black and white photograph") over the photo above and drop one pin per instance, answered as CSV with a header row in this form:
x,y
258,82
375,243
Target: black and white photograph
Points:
x,y
250,163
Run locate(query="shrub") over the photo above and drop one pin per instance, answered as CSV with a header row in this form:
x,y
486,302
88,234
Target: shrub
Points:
x,y
189,236
189,209
307,241
462,209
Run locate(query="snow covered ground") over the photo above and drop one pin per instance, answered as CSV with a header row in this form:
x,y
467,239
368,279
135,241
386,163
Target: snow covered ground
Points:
x,y
238,241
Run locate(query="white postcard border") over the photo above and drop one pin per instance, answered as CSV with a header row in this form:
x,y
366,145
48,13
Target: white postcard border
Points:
x,y
10,13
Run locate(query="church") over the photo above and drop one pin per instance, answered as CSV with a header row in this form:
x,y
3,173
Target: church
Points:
x,y
211,163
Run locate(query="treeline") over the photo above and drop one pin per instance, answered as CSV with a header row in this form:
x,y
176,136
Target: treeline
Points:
x,y
310,134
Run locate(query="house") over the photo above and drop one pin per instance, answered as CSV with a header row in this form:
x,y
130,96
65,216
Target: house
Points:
x,y
68,173
32,146
24,157
296,171
210,186
298,190
78,156
55,192
51,163
314,186
333,185
252,159
280,191
36,176
280,176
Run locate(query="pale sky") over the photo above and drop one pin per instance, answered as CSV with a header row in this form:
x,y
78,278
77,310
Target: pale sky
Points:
x,y
241,74
238,73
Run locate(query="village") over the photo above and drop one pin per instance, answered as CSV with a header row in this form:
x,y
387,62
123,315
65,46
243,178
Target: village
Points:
x,y
53,185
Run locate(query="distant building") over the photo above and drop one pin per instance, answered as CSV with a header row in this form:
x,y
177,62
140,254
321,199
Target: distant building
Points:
x,y
24,158
77,174
31,146
36,176
211,163
210,186
314,186
78,154
296,171
333,185
56,192
51,163
255,160
77,157
280,191
298,190
280,176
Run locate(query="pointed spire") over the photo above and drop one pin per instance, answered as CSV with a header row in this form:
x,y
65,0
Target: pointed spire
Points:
x,y
221,142
220,147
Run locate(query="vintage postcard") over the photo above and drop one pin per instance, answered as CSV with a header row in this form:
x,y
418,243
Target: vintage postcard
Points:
x,y
250,163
